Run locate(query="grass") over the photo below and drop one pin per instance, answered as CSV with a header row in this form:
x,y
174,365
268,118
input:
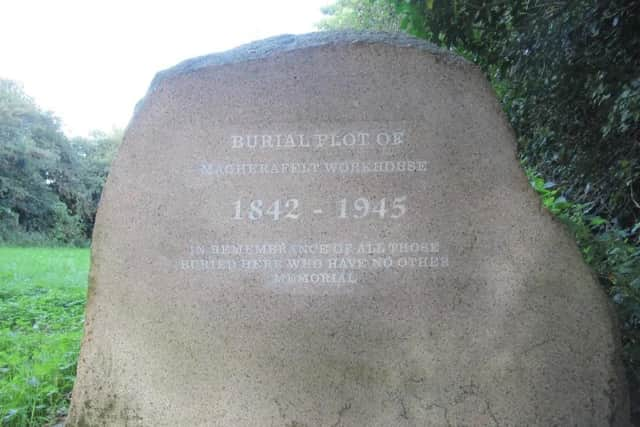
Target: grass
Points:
x,y
42,299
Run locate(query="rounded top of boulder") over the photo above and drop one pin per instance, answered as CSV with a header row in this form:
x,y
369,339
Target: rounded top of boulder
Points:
x,y
289,42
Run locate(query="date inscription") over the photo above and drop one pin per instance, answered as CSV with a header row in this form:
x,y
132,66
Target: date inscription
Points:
x,y
292,209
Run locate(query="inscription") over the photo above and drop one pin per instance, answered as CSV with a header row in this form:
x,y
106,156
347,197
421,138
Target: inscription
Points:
x,y
218,169
331,263
318,140
362,207
315,263
257,209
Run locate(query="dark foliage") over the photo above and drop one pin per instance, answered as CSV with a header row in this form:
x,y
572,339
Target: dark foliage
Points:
x,y
49,186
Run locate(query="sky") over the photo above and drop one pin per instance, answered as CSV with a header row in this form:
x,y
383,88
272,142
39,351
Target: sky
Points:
x,y
90,61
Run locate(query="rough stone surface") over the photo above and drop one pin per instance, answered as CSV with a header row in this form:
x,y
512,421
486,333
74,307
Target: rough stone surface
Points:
x,y
333,230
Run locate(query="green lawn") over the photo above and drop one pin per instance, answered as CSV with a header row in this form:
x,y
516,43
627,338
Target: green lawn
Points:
x,y
42,298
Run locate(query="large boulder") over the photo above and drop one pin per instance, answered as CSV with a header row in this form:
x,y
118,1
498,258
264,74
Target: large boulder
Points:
x,y
334,230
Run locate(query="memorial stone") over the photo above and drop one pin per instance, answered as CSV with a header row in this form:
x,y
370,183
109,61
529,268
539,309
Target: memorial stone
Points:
x,y
334,230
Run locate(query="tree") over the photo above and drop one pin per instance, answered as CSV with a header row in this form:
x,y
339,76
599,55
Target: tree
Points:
x,y
36,170
377,15
49,186
95,156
